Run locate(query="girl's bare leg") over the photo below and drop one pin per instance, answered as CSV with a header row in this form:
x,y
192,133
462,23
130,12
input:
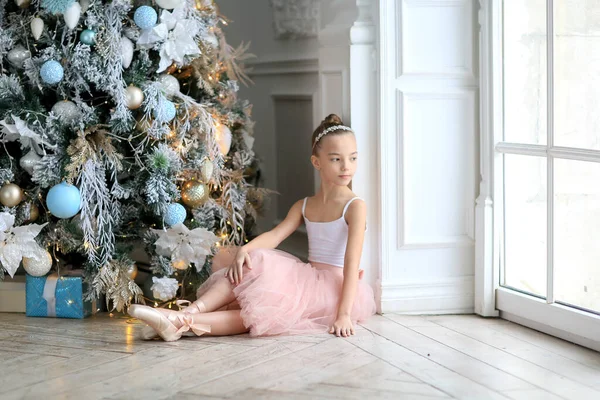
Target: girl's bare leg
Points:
x,y
220,294
222,323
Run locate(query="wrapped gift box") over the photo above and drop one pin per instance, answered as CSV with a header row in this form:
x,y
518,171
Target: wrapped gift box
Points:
x,y
57,296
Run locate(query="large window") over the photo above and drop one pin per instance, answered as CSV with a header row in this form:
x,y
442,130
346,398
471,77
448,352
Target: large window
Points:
x,y
549,152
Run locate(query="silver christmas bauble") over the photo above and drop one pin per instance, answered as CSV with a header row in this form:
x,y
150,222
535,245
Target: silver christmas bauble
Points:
x,y
66,110
29,160
169,84
135,97
18,55
38,267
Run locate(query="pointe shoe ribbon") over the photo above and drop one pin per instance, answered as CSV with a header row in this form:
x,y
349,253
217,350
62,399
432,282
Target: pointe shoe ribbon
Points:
x,y
187,323
191,308
180,304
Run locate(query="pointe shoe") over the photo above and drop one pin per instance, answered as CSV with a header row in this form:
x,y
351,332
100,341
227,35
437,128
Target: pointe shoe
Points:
x,y
156,320
148,333
168,328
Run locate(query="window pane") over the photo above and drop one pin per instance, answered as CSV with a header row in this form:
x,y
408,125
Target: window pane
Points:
x,y
577,81
577,233
524,48
525,223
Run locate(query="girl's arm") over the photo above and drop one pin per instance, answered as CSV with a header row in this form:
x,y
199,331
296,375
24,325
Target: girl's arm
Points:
x,y
267,240
357,218
271,239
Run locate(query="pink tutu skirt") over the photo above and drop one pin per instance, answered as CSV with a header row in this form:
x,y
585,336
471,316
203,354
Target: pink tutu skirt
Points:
x,y
281,294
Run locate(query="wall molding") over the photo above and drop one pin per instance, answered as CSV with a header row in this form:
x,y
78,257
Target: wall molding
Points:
x,y
283,66
446,296
295,18
404,68
405,240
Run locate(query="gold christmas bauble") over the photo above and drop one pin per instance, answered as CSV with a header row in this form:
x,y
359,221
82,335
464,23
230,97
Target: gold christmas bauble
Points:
x,y
143,124
11,195
38,267
135,97
132,271
34,213
194,193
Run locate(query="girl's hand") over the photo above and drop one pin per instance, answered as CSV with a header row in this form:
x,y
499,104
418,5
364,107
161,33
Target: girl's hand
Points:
x,y
342,327
235,271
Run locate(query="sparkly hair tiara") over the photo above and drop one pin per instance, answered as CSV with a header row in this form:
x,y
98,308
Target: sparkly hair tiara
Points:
x,y
331,129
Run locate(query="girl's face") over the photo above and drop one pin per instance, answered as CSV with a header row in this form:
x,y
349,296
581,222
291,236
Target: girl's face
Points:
x,y
337,159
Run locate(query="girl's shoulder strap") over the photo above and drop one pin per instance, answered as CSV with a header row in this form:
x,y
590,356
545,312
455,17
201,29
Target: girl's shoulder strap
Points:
x,y
348,204
304,206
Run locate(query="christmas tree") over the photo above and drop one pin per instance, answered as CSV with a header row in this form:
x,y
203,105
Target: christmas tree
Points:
x,y
121,126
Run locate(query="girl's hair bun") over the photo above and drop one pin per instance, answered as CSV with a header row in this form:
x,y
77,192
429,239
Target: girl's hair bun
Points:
x,y
328,122
332,119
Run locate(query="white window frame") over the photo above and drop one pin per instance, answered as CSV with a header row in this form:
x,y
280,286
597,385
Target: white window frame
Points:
x,y
490,298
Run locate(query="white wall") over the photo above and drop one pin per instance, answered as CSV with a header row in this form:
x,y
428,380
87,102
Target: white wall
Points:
x,y
283,97
429,154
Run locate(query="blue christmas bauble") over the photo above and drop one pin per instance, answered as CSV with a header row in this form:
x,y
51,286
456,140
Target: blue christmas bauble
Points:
x,y
175,214
51,72
165,113
63,200
88,37
145,17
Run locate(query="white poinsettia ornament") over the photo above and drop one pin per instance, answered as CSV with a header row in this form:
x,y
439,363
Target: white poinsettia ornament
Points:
x,y
17,242
182,244
177,36
164,288
21,132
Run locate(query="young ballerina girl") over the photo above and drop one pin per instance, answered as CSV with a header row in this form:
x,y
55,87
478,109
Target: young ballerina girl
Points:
x,y
273,292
